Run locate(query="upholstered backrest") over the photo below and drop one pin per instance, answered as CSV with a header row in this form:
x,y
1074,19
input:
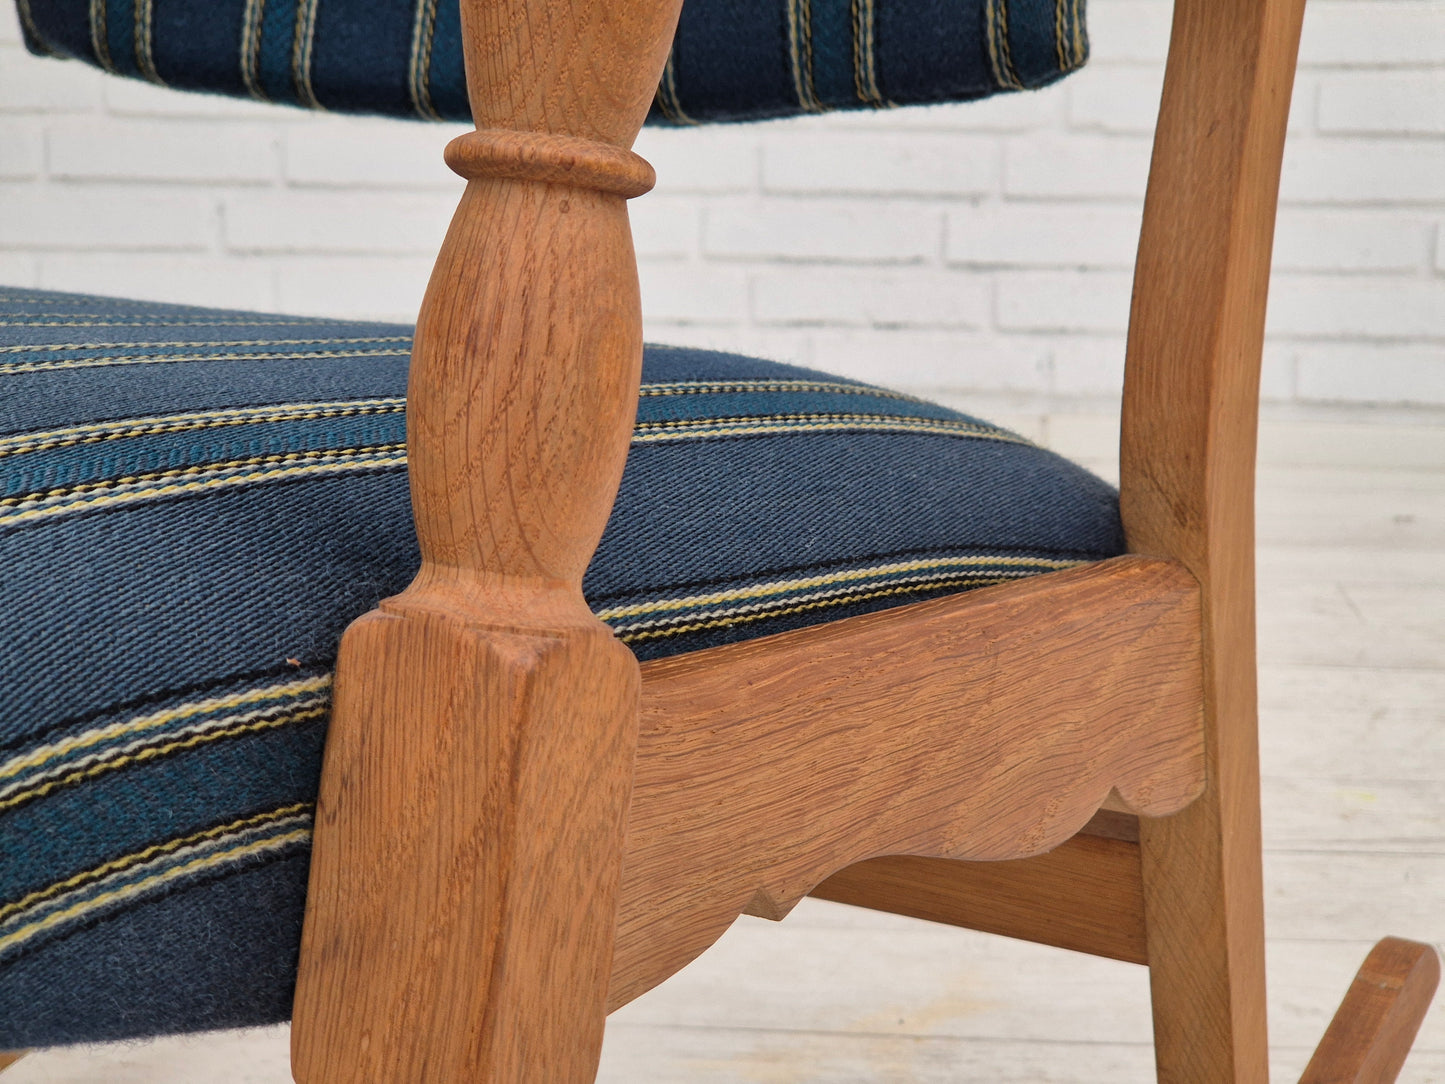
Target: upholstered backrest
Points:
x,y
731,59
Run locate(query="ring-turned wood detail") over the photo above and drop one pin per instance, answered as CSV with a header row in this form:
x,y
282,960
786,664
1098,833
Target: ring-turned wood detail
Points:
x,y
989,725
553,159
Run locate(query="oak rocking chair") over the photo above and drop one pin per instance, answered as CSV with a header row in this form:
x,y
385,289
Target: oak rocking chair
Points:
x,y
519,826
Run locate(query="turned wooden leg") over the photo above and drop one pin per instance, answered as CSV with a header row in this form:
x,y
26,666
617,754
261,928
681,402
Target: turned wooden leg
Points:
x,y
470,829
1371,1033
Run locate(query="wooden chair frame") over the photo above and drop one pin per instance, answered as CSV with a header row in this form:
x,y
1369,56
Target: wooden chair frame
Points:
x,y
520,829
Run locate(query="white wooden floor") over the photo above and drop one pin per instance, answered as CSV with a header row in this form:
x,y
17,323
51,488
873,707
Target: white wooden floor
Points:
x,y
1352,651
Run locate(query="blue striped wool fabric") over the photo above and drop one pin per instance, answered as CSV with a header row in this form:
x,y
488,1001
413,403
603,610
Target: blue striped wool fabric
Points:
x,y
195,503
731,60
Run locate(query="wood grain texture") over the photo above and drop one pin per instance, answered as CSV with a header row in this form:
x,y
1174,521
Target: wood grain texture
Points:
x,y
988,725
472,808
1187,492
1370,1036
1086,895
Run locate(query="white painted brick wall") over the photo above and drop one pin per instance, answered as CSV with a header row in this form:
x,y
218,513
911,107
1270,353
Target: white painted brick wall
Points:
x,y
977,249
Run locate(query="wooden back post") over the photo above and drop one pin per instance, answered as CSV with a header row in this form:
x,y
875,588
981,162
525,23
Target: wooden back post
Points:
x,y
478,769
1187,491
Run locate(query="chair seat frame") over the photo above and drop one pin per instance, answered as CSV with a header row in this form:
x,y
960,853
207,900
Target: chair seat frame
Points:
x,y
520,828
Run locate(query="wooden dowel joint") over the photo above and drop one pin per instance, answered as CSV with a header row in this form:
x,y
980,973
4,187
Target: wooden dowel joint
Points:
x,y
552,159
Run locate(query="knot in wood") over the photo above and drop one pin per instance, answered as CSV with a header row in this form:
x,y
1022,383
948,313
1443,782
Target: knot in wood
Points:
x,y
554,159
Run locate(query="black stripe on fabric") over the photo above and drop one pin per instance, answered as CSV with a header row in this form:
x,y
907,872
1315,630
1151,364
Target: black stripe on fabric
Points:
x,y
281,717
137,705
728,63
951,58
199,880
362,55
823,568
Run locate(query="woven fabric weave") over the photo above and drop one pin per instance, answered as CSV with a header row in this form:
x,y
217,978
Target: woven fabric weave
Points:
x,y
731,59
195,503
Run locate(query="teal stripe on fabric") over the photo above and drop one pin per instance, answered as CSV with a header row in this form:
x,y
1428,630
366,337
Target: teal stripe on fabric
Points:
x,y
250,48
130,879
32,464
1033,34
113,744
277,37
833,53
120,36
419,64
448,94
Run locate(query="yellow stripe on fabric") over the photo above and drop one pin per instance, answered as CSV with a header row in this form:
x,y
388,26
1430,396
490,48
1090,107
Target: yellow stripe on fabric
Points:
x,y
98,432
865,62
267,826
251,18
154,752
1060,34
14,367
339,462
303,44
96,319
35,757
129,861
53,347
667,98
999,55
1078,33
800,54
729,622
824,579
100,36
145,61
711,387
423,34
208,862
298,710
839,595
27,20
700,428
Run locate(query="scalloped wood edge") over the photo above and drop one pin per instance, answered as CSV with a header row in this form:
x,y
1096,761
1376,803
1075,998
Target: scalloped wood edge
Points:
x,y
1372,1031
989,725
1086,895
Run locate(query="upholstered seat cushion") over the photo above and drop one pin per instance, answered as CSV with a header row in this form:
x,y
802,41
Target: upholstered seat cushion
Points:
x,y
195,504
731,59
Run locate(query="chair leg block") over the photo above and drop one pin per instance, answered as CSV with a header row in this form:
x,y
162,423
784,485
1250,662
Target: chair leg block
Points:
x,y
468,847
1372,1031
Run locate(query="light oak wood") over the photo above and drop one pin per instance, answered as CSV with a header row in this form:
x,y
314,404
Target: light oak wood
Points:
x,y
470,821
1086,895
1187,492
1370,1036
989,725
496,808
10,1057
